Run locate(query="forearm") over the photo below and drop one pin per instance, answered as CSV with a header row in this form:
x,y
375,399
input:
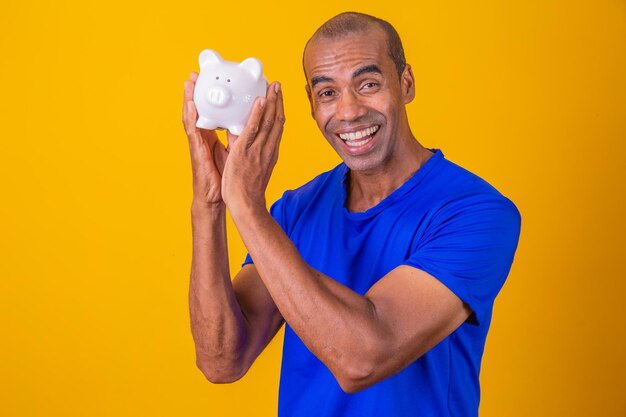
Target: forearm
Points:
x,y
217,323
337,324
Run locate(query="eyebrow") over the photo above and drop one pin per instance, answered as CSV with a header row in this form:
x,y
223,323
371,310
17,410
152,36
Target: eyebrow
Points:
x,y
363,70
367,69
320,79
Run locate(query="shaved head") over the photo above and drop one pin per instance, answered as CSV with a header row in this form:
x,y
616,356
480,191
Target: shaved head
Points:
x,y
350,23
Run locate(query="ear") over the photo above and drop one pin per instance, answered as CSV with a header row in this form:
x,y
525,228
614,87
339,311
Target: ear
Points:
x,y
407,83
253,66
308,94
209,56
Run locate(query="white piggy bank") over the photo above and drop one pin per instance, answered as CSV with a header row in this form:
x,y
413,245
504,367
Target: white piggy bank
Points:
x,y
225,91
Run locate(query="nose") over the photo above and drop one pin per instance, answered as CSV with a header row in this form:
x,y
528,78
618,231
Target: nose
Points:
x,y
349,107
218,96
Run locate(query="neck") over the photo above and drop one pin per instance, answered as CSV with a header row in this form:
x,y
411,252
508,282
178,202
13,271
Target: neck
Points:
x,y
367,189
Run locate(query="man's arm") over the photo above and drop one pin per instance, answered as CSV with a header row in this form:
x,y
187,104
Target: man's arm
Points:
x,y
362,339
231,323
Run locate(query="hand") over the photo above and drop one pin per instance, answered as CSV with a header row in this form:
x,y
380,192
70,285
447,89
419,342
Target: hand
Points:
x,y
208,154
254,154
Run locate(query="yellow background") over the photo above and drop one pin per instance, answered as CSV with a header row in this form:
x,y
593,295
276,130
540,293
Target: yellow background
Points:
x,y
95,235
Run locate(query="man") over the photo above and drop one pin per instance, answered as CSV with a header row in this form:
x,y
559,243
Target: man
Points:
x,y
385,268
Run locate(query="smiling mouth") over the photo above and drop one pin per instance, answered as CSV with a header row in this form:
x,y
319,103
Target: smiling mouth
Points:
x,y
359,137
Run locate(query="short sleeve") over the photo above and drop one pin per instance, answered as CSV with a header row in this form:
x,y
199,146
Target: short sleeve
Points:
x,y
469,246
276,211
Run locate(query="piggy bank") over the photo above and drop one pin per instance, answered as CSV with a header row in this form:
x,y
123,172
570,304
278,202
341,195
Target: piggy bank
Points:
x,y
225,91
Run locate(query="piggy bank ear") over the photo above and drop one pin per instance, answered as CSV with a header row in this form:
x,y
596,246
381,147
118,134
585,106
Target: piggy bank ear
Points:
x,y
209,56
253,66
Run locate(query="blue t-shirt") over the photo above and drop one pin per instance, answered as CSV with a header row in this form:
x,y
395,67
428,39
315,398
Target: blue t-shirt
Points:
x,y
444,220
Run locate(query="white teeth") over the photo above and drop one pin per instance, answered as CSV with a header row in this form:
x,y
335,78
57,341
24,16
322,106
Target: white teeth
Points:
x,y
360,134
356,143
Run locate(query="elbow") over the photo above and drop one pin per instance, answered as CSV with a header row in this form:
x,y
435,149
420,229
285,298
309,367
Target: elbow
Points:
x,y
351,387
365,366
357,372
364,371
355,379
217,373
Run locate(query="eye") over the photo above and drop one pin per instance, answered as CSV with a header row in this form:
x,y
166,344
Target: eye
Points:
x,y
325,94
217,78
370,85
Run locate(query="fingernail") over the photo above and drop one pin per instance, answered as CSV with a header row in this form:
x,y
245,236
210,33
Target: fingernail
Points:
x,y
277,87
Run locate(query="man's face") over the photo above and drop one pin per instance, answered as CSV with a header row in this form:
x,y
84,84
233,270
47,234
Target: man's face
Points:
x,y
357,98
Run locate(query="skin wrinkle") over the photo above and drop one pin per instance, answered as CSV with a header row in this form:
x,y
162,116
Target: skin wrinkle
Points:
x,y
351,23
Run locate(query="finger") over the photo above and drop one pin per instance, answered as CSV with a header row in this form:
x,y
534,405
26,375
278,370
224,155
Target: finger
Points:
x,y
190,117
189,87
260,130
188,95
206,135
275,136
279,121
252,127
267,120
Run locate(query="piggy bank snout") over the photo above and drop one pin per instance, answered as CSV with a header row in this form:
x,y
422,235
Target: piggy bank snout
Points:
x,y
218,96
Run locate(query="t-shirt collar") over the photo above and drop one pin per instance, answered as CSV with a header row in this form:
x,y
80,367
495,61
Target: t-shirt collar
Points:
x,y
407,186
